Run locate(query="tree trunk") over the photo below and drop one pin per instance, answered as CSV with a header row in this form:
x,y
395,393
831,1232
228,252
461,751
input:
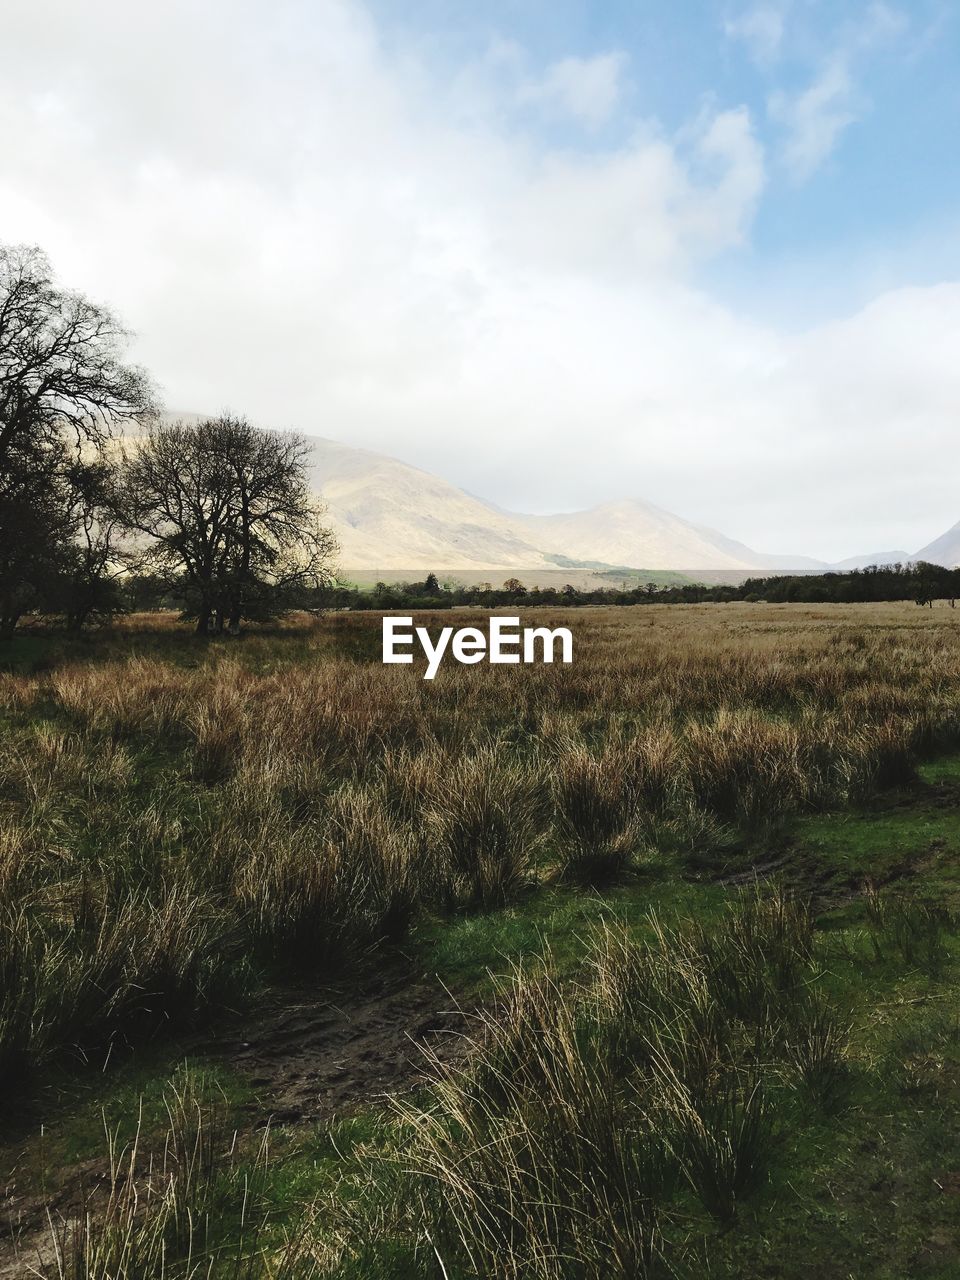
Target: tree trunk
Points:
x,y
203,621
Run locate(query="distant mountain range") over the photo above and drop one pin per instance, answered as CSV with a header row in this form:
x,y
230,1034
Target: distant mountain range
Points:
x,y
390,516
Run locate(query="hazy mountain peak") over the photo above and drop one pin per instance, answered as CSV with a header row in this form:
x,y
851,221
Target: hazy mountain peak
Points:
x,y
943,550
390,515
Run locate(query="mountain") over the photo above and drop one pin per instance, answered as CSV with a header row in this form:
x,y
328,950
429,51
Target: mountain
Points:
x,y
643,536
389,515
944,550
877,557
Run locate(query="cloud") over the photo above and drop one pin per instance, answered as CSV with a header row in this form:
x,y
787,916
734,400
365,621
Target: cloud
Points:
x,y
587,90
645,210
761,29
305,227
814,118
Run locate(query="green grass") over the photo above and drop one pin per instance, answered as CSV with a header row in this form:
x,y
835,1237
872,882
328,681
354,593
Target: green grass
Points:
x,y
871,1191
874,1190
57,1136
468,953
945,769
906,835
901,834
112,789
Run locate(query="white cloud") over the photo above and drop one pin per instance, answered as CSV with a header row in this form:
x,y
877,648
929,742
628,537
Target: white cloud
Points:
x,y
815,118
587,90
761,29
304,229
646,210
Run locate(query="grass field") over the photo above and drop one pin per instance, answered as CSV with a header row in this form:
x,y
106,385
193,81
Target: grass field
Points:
x,y
641,966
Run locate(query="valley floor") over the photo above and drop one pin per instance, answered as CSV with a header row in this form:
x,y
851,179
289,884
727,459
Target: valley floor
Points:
x,y
812,1103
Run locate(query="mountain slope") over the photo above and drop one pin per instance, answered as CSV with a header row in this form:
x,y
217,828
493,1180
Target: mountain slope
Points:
x,y
643,536
390,515
944,550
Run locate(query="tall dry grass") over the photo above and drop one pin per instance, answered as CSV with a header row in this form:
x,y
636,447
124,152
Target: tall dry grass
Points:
x,y
585,1114
171,826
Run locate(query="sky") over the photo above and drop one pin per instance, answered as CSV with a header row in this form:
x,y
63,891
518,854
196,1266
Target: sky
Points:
x,y
706,254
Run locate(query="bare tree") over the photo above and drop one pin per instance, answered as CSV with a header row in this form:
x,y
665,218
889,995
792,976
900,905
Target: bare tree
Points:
x,y
97,558
174,490
279,542
227,506
63,384
36,524
61,359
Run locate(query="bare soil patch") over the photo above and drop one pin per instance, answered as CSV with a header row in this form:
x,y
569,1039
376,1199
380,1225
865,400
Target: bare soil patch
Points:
x,y
311,1053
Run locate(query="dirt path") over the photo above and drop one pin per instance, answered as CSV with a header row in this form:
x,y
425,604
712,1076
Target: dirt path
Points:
x,y
310,1054
803,873
313,1055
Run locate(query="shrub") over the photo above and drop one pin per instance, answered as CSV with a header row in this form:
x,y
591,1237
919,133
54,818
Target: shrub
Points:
x,y
818,1053
314,897
596,815
745,767
555,1149
483,827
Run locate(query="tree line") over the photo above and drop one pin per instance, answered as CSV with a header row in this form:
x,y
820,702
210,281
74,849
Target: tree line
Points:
x,y
98,493
919,582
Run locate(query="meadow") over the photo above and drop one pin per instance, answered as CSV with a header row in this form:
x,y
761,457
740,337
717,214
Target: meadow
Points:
x,y
692,898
